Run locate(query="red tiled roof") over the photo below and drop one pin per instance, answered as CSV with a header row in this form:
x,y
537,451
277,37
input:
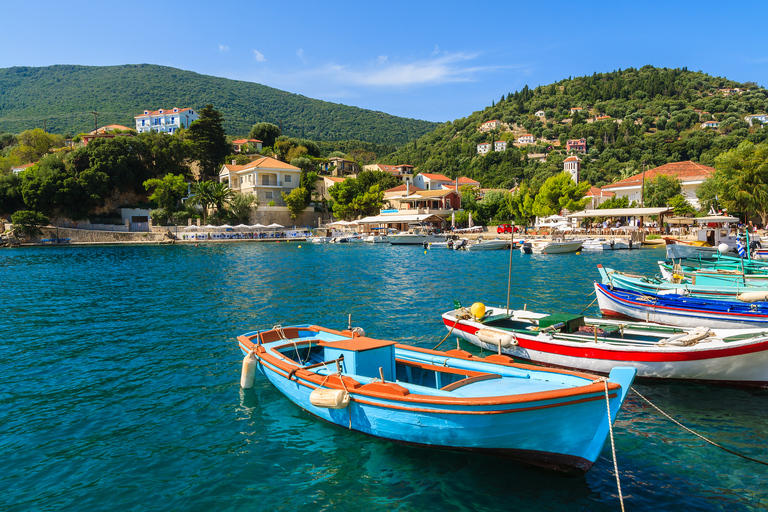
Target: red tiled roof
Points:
x,y
491,121
263,162
436,177
684,171
594,191
467,181
165,111
243,141
403,187
334,179
572,158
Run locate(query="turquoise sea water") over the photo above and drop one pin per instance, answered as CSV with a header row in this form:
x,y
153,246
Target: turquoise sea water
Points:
x,y
119,386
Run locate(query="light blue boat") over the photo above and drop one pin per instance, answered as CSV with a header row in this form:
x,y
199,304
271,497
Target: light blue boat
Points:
x,y
554,419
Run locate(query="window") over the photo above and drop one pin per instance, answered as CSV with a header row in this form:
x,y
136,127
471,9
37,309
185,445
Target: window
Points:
x,y
288,179
268,195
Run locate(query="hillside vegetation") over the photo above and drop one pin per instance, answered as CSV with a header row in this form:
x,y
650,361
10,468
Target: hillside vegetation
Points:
x,y
62,100
654,117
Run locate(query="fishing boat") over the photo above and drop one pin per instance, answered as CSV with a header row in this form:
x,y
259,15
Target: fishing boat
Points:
x,y
714,237
683,311
732,356
729,290
452,400
489,245
712,275
555,246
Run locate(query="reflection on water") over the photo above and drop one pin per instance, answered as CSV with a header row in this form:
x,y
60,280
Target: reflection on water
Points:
x,y
120,390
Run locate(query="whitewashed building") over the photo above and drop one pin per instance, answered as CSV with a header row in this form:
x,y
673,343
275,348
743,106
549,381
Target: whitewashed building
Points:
x,y
265,177
483,148
165,121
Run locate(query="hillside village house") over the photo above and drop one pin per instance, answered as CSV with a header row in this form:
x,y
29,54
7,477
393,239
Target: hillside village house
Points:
x,y
763,118
239,143
539,113
461,181
265,178
323,183
427,181
165,121
393,196
597,196
526,139
340,166
690,174
578,145
22,168
499,146
710,124
483,148
576,109
403,171
490,125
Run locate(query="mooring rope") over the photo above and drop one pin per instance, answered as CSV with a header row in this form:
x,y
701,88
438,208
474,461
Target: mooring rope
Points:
x,y
613,445
670,418
455,323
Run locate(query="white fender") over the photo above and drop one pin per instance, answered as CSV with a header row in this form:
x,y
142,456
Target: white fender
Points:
x,y
248,375
329,398
753,296
505,339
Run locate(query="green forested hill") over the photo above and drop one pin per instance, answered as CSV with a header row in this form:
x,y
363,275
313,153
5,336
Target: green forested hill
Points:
x,y
64,97
629,118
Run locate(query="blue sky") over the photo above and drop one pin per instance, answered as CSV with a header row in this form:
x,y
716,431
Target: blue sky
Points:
x,y
437,61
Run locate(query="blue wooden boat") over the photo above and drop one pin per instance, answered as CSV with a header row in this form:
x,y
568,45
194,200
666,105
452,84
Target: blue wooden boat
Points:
x,y
728,290
554,419
680,310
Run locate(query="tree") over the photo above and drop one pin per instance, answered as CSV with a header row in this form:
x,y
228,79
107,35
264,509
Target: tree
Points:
x,y
202,194
560,192
741,179
207,135
28,223
660,190
11,198
242,205
681,205
168,192
267,133
296,201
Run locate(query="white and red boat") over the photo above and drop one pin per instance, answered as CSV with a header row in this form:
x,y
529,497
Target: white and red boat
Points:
x,y
730,356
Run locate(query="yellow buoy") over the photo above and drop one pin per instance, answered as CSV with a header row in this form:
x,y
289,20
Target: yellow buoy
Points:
x,y
425,252
477,309
299,247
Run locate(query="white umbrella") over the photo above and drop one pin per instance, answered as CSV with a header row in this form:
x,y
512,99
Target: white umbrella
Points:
x,y
242,226
190,228
208,226
225,226
276,226
471,224
340,223
257,226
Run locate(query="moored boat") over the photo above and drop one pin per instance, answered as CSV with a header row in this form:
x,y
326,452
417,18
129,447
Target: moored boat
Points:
x,y
451,400
680,310
732,356
555,246
490,245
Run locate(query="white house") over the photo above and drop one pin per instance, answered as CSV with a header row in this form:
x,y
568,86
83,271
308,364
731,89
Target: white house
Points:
x,y
526,139
426,181
490,125
500,145
483,148
763,118
539,113
166,121
690,174
22,168
265,178
403,171
239,143
710,124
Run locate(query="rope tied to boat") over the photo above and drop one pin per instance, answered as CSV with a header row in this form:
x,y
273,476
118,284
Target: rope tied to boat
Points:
x,y
670,418
604,380
463,314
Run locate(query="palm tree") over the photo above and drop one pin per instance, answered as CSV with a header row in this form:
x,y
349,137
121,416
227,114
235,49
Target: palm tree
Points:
x,y
220,194
202,194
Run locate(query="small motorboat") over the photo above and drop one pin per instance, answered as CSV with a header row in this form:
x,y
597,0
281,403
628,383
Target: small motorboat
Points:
x,y
729,356
496,244
554,419
556,246
605,244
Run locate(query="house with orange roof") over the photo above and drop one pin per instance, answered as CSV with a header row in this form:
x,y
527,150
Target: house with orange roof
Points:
x,y
266,178
21,168
690,174
402,171
239,143
598,196
461,182
710,124
578,145
483,148
576,109
338,166
490,125
394,195
110,128
165,121
429,181
500,145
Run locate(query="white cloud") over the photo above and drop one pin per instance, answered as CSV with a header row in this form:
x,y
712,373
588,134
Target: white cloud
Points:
x,y
258,56
436,50
223,48
300,55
